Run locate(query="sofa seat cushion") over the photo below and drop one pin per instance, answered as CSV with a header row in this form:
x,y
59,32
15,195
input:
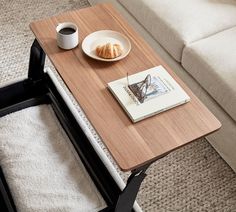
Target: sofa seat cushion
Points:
x,y
212,62
176,23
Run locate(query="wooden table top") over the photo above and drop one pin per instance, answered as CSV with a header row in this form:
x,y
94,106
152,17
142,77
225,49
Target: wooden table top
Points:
x,y
131,145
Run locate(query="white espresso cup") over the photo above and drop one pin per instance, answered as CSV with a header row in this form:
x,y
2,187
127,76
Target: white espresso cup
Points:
x,y
67,35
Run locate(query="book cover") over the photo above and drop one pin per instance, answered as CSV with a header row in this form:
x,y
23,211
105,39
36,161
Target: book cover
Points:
x,y
148,93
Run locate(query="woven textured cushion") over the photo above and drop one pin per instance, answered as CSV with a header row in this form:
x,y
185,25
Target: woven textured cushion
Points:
x,y
212,62
176,23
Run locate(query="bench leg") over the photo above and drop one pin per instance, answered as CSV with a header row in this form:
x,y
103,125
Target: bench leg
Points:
x,y
36,62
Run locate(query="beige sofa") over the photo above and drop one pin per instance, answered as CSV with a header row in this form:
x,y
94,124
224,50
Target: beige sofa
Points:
x,y
197,39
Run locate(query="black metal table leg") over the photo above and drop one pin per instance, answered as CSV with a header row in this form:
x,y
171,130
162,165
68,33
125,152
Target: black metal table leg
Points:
x,y
37,61
13,96
128,195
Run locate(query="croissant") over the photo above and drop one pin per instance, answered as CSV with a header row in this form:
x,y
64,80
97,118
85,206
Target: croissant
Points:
x,y
109,51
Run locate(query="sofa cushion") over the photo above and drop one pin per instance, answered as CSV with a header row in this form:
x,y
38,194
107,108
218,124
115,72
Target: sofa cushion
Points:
x,y
212,62
175,23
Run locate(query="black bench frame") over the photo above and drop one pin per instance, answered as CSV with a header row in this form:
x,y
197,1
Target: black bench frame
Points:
x,y
37,89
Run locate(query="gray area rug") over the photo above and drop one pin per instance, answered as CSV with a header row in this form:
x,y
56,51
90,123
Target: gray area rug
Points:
x,y
193,178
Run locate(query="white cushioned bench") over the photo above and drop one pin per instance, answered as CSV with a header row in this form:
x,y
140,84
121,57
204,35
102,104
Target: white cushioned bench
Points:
x,y
41,167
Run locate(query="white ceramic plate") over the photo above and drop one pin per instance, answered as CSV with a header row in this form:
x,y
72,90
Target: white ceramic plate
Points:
x,y
102,37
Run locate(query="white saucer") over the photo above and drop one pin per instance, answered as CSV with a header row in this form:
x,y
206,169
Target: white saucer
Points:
x,y
102,37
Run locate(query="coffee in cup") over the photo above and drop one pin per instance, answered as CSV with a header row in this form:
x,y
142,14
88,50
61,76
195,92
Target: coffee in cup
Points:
x,y
67,35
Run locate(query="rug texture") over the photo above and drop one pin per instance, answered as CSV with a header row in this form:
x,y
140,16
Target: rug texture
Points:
x,y
193,178
42,169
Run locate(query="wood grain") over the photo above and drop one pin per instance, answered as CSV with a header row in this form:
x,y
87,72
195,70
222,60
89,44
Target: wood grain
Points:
x,y
131,145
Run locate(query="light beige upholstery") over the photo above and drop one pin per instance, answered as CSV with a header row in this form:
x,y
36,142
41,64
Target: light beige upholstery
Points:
x,y
175,23
212,62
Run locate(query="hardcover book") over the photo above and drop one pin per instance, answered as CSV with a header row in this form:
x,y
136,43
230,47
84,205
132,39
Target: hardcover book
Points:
x,y
148,93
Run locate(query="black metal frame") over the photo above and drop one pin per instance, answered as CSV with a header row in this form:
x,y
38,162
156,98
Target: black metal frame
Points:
x,y
37,89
